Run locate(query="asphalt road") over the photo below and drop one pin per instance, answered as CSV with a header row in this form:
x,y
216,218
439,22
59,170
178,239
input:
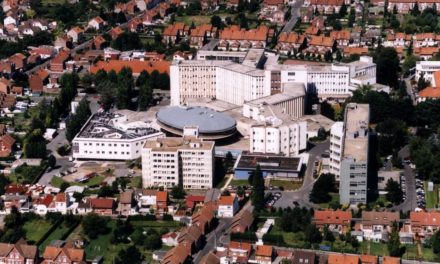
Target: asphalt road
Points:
x,y
294,17
410,202
409,89
301,196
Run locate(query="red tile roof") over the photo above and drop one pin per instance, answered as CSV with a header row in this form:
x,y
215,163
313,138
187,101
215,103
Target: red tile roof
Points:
x,y
226,200
328,217
102,203
237,33
390,260
342,259
264,251
161,196
136,66
425,218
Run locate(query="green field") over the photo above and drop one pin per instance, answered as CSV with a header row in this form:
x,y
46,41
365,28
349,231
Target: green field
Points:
x,y
335,198
239,182
36,229
57,181
198,20
287,185
57,234
100,245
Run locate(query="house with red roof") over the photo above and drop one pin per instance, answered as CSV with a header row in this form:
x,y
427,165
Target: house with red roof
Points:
x,y
170,239
19,252
96,23
239,250
341,37
201,34
194,200
176,255
227,206
191,238
58,64
63,253
398,39
75,33
161,202
426,53
325,6
264,254
273,11
424,224
59,204
7,143
18,60
115,32
175,32
38,80
239,39
203,219
289,42
391,260
320,44
335,258
42,204
103,206
337,221
5,85
405,6
425,40
136,66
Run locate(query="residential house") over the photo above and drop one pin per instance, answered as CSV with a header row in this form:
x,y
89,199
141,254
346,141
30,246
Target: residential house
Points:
x,y
273,11
335,258
194,200
304,257
126,203
99,42
337,221
325,6
7,102
64,253
170,239
58,63
391,260
361,51
5,85
239,250
203,219
201,34
312,31
5,68
369,259
425,40
320,44
64,42
102,206
147,199
41,205
210,258
289,42
398,39
342,37
84,207
377,225
426,53
191,239
115,32
264,254
424,224
7,143
227,206
38,80
176,255
174,33
135,24
242,221
59,204
18,60
161,202
17,90
96,23
13,200
75,34
239,39
18,253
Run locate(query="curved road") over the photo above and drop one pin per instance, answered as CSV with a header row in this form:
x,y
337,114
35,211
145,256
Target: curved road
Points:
x,y
301,196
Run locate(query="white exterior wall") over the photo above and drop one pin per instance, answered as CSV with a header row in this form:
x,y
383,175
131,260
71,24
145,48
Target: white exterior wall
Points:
x,y
110,149
197,168
237,88
427,68
160,168
336,145
286,139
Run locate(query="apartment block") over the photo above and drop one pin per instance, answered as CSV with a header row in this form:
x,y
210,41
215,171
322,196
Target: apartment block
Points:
x,y
427,69
354,155
178,161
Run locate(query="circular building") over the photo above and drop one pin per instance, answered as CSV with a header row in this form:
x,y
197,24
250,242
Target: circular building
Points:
x,y
204,122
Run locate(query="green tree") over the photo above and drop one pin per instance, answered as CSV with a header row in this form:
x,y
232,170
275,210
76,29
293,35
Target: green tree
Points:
x,y
312,234
394,247
415,11
320,192
394,192
145,97
257,196
387,65
121,232
435,242
343,10
129,255
351,17
422,83
74,125
51,161
94,225
217,22
127,41
177,192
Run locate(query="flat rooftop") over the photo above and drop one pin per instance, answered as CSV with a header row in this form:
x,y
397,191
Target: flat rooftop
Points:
x,y
290,91
178,143
269,162
114,126
356,131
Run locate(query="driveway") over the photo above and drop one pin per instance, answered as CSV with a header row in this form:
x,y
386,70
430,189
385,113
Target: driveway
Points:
x,y
301,196
295,14
410,202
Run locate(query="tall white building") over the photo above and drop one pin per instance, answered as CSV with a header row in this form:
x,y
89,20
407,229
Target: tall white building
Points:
x,y
352,145
223,80
112,136
273,131
337,80
186,161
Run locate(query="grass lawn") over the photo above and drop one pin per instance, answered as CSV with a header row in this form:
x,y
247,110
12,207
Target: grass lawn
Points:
x,y
431,197
198,20
287,185
101,245
52,2
169,224
55,235
239,182
135,182
36,229
57,181
335,198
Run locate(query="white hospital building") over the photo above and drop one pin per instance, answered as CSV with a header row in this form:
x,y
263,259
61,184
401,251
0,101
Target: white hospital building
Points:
x,y
427,69
112,136
185,161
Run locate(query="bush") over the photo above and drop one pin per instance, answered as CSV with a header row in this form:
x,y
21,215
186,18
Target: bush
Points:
x,y
248,236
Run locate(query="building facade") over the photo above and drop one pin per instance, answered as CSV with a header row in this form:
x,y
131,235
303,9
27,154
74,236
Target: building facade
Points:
x,y
170,162
354,164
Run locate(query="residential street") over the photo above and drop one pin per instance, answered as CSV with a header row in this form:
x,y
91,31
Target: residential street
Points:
x,y
410,203
294,18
